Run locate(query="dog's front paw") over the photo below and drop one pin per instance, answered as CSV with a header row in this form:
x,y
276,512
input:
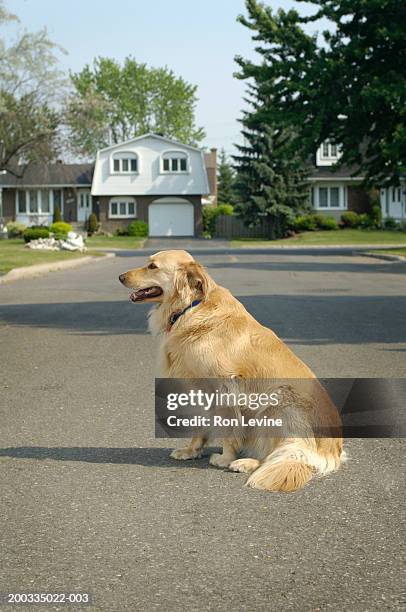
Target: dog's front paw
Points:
x,y
182,454
219,460
245,466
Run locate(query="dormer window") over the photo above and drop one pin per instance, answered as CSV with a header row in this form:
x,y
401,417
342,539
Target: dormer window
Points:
x,y
329,151
327,154
124,163
174,162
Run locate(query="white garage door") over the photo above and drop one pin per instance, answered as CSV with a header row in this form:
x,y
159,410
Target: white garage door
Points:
x,y
171,219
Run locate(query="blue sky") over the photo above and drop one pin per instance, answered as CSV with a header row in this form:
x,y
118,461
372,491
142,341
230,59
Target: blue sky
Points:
x,y
196,39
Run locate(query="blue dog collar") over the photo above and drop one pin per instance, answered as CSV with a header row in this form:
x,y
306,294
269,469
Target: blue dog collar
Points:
x,y
176,315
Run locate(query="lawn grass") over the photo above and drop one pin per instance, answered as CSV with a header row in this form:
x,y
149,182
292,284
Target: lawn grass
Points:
x,y
401,252
114,242
332,237
13,254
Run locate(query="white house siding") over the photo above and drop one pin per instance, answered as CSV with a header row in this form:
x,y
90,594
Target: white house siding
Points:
x,y
150,180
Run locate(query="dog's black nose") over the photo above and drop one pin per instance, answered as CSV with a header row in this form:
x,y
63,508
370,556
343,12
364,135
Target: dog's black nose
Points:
x,y
121,278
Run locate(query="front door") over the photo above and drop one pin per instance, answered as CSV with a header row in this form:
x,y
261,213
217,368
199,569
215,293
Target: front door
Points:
x,y
84,204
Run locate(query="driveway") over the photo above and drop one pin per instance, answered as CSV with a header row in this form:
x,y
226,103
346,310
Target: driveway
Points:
x,y
90,501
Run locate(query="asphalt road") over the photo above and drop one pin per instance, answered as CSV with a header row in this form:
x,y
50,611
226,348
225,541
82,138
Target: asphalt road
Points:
x,y
90,501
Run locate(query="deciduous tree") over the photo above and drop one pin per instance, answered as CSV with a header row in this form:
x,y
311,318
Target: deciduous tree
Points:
x,y
112,103
31,85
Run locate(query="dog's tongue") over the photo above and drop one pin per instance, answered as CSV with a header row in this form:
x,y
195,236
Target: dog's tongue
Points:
x,y
141,294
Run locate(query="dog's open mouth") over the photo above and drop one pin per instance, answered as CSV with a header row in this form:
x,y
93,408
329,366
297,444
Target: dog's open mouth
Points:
x,y
145,294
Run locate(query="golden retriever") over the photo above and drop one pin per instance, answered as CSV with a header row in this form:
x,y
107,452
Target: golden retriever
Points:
x,y
205,332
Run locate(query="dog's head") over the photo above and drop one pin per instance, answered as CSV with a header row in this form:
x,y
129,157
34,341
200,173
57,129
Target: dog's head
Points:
x,y
168,276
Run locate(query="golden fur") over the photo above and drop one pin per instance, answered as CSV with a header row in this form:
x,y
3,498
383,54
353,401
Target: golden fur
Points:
x,y
220,339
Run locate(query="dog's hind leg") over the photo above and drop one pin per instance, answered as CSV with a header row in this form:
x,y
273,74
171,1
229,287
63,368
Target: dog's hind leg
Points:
x,y
193,451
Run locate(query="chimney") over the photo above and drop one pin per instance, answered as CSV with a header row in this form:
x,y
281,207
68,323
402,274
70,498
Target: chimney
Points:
x,y
210,160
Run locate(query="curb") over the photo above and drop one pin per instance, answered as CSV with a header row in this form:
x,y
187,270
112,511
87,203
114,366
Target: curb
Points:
x,y
322,246
383,257
41,269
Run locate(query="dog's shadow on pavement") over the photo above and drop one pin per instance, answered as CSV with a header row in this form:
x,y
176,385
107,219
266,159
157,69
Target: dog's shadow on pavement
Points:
x,y
149,456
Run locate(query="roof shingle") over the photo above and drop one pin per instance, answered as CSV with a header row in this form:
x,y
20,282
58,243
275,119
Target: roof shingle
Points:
x,y
50,174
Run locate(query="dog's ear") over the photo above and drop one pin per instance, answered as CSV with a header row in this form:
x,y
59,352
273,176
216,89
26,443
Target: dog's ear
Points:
x,y
191,280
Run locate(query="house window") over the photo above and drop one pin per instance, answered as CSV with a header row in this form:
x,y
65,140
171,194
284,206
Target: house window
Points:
x,y
84,199
327,154
334,197
174,162
329,197
323,197
21,202
122,208
45,207
329,151
34,202
125,163
396,194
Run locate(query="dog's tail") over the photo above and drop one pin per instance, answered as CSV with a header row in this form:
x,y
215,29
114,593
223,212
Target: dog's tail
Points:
x,y
290,466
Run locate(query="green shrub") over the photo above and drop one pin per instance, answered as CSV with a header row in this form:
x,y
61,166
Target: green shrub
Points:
x,y
305,223
92,224
402,225
319,220
366,221
225,209
210,214
15,230
376,214
390,223
350,219
138,228
329,223
324,223
209,220
57,217
35,232
121,231
60,230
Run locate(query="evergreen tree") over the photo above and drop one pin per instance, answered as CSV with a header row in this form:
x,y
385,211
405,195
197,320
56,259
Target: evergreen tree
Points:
x,y
347,84
271,178
225,180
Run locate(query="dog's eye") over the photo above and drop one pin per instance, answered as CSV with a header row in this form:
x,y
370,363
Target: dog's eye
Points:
x,y
152,266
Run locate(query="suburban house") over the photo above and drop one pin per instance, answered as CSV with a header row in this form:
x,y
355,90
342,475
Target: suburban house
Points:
x,y
335,190
32,199
151,178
